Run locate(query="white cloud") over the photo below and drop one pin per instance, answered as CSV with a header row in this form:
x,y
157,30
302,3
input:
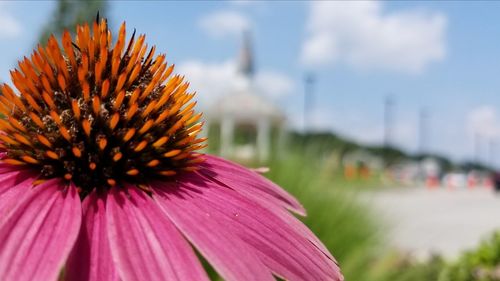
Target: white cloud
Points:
x,y
365,36
273,84
483,121
213,80
9,26
209,80
223,23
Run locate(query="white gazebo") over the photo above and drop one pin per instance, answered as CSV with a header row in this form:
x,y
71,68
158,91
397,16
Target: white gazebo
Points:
x,y
245,113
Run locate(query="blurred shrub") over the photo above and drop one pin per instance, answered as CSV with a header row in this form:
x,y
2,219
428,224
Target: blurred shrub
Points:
x,y
399,267
346,227
480,264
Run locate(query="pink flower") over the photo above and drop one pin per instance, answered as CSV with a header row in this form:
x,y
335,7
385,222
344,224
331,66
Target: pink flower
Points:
x,y
100,179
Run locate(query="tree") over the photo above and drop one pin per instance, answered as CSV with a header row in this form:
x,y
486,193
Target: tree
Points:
x,y
69,13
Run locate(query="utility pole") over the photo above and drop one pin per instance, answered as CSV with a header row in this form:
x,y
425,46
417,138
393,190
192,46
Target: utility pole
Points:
x,y
423,118
388,108
309,80
491,152
477,148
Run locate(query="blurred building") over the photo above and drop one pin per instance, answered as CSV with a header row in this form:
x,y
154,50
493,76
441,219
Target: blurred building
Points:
x,y
244,125
361,163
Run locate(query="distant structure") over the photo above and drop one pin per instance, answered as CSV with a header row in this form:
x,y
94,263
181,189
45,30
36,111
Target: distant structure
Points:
x,y
243,124
388,112
423,118
309,80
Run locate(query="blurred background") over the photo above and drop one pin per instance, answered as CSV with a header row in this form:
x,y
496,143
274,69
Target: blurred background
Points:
x,y
381,117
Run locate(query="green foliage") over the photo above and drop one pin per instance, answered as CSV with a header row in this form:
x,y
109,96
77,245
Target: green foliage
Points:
x,y
318,143
395,266
345,226
326,142
69,13
213,138
480,264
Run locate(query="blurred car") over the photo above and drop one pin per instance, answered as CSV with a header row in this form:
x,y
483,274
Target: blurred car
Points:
x,y
455,180
496,181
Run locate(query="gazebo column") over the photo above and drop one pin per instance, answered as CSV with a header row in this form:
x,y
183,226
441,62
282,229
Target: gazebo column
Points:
x,y
263,139
226,136
282,141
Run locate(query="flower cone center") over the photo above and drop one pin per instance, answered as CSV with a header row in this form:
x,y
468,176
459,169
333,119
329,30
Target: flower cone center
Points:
x,y
96,114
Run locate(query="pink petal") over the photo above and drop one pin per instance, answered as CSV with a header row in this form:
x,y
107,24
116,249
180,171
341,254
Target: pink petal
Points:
x,y
227,253
38,234
267,201
300,228
91,259
5,168
248,183
9,196
9,177
145,245
245,182
199,206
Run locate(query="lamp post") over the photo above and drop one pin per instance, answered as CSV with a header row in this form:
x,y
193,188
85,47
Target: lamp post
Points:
x,y
309,80
423,119
388,108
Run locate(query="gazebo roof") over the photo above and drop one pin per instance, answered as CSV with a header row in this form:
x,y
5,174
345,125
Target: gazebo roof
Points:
x,y
245,106
244,103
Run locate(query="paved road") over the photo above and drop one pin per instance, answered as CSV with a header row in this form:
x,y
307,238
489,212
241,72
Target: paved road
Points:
x,y
424,221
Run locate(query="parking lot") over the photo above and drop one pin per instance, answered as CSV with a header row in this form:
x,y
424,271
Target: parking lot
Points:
x,y
423,221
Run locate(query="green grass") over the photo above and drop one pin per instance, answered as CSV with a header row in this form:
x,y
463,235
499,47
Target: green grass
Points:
x,y
479,264
345,226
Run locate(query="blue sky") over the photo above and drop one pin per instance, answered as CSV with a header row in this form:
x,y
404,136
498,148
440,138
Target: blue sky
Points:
x,y
441,56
